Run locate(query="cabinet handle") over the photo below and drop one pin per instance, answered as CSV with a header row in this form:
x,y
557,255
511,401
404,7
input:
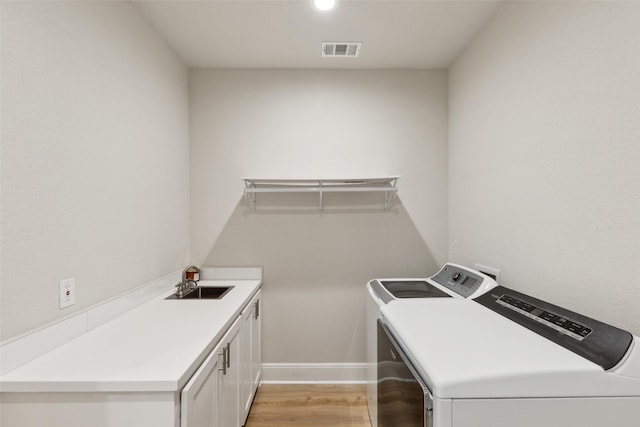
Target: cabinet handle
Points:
x,y
228,355
224,361
257,309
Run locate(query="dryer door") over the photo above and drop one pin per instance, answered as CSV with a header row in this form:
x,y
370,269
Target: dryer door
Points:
x,y
403,398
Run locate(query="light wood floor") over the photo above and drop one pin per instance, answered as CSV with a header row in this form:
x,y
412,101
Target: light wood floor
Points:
x,y
309,406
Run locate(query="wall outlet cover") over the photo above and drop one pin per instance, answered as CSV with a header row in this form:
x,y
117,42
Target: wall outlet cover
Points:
x,y
67,292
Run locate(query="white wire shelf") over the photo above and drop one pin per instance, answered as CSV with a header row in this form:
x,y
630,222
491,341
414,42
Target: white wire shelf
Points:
x,y
385,185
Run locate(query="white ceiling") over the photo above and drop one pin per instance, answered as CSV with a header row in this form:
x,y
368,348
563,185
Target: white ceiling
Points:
x,y
288,33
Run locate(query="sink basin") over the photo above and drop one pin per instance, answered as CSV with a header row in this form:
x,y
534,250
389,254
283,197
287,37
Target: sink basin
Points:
x,y
204,292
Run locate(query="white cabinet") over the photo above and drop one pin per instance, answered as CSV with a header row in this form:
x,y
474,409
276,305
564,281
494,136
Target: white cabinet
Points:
x,y
229,381
199,398
221,391
250,355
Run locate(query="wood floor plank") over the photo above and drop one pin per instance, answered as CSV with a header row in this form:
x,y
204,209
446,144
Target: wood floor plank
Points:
x,y
309,406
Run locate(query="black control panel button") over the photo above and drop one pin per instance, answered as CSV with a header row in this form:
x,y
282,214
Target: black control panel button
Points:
x,y
574,327
549,317
561,321
527,307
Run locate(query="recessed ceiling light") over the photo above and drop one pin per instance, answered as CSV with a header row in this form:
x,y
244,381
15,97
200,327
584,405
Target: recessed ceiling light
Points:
x,y
324,4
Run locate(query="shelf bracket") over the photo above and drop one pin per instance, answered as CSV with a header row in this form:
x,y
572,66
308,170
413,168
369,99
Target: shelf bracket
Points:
x,y
389,195
250,196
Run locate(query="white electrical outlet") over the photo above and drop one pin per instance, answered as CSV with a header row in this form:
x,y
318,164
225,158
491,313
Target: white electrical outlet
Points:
x,y
67,292
489,271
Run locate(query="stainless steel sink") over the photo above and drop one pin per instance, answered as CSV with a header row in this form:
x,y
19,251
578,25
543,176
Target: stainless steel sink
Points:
x,y
204,292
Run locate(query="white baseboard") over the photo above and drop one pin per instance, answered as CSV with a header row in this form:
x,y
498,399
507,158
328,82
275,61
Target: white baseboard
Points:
x,y
314,373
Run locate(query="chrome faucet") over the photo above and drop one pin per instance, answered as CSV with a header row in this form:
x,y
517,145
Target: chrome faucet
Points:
x,y
190,277
191,273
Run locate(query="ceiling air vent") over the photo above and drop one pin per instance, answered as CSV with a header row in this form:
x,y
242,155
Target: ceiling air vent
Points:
x,y
341,49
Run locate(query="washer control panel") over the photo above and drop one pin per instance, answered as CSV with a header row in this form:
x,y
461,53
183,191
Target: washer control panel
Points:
x,y
458,279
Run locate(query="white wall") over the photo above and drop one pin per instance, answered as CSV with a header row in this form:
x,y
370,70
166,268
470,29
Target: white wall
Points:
x,y
94,157
277,123
545,154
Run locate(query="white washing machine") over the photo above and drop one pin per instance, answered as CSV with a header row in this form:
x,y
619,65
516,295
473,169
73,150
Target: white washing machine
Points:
x,y
452,281
505,359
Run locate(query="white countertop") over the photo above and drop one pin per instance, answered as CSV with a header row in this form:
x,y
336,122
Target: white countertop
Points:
x,y
464,350
154,347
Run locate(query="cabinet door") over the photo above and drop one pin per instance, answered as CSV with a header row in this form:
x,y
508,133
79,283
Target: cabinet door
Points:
x,y
256,343
246,380
250,355
228,381
199,398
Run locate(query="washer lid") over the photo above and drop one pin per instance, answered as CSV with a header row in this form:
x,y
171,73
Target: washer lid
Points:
x,y
464,350
412,289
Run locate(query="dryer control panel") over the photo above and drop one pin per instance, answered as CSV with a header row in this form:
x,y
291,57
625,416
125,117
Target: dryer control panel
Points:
x,y
598,342
550,319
